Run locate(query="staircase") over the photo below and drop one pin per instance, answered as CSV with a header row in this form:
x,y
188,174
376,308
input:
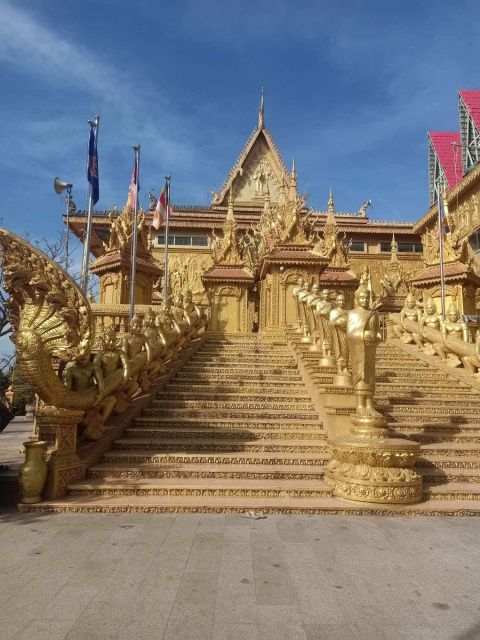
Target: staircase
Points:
x,y
438,409
236,430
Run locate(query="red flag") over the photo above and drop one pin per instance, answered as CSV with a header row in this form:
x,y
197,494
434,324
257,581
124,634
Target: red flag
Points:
x,y
162,210
134,184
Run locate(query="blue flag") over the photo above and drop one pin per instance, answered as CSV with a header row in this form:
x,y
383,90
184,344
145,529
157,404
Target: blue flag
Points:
x,y
92,164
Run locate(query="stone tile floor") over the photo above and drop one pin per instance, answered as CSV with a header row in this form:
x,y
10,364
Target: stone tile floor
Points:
x,y
175,577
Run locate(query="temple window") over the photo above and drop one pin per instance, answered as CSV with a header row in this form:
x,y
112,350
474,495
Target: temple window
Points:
x,y
403,247
358,246
183,241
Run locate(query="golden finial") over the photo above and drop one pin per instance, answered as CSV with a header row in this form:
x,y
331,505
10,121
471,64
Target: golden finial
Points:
x,y
293,183
331,202
261,112
230,215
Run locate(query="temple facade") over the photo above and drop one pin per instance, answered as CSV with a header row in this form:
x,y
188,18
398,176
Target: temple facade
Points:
x,y
258,190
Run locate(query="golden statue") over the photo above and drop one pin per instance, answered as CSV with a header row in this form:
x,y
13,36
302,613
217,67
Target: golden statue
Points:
x,y
302,296
453,327
138,352
369,464
156,365
296,290
322,316
338,320
363,333
431,320
310,305
411,312
194,314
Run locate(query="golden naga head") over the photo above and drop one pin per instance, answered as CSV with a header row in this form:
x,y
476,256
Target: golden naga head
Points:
x,y
136,325
110,338
150,318
178,300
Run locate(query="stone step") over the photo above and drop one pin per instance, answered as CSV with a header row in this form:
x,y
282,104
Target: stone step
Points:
x,y
450,449
218,470
473,403
251,377
441,433
434,475
221,423
284,358
227,393
452,491
227,434
225,504
292,404
397,392
253,414
430,376
429,414
234,488
235,382
205,444
447,462
239,366
296,460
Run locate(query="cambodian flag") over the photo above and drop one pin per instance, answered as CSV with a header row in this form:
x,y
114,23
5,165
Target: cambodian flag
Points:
x,y
134,184
163,208
92,164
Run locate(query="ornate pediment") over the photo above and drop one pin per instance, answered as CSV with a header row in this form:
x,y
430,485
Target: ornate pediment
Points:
x,y
259,168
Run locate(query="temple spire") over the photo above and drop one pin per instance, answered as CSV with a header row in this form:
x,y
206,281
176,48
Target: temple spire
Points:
x,y
230,215
331,210
293,183
393,249
331,201
261,112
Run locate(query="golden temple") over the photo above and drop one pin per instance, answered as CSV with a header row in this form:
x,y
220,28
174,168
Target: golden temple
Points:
x,y
299,365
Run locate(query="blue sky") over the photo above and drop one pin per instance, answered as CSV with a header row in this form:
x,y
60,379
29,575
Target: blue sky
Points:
x,y
351,88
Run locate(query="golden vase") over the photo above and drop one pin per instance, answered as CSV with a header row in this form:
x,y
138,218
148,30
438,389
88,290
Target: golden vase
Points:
x,y
33,472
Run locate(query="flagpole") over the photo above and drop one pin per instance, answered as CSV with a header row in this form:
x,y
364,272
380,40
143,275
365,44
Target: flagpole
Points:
x,y
88,235
440,243
165,248
67,232
133,272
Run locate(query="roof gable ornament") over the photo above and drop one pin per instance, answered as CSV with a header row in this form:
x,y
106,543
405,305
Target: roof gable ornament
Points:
x,y
258,163
261,113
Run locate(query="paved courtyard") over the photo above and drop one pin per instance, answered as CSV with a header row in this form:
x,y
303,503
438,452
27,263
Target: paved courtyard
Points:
x,y
229,577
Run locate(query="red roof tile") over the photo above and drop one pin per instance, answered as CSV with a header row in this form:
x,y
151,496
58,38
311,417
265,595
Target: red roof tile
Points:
x,y
225,272
448,155
330,274
452,271
471,99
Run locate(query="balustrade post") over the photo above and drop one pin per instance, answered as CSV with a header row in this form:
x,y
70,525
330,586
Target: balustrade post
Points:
x,y
58,427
